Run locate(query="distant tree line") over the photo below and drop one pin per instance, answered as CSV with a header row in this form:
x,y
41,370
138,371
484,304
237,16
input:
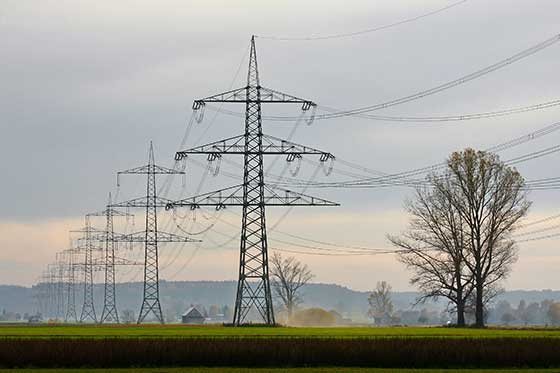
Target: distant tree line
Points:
x,y
382,312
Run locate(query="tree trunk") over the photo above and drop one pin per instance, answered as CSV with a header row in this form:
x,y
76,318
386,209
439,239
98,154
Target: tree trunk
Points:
x,y
459,296
479,310
461,312
289,307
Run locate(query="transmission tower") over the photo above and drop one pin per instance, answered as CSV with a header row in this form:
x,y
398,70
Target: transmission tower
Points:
x,y
60,269
151,236
88,307
51,292
41,294
253,288
70,314
110,313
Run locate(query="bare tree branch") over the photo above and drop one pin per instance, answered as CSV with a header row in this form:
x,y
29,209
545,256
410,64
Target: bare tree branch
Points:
x,y
288,277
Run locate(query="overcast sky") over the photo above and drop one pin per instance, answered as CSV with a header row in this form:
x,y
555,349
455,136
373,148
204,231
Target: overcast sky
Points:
x,y
85,85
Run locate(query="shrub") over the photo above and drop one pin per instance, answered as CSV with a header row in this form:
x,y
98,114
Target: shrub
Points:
x,y
313,317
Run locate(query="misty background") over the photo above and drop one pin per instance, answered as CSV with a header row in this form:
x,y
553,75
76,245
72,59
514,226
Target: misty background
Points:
x,y
86,85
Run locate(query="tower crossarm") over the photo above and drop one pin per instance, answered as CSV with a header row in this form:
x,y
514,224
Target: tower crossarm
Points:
x,y
102,237
126,262
111,211
118,262
94,238
273,96
150,169
87,230
270,146
233,196
162,237
267,95
95,264
141,202
232,145
234,95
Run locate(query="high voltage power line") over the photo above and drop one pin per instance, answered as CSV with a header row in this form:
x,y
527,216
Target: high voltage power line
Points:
x,y
540,238
425,119
540,221
362,32
350,250
404,178
338,113
542,230
361,175
335,113
471,116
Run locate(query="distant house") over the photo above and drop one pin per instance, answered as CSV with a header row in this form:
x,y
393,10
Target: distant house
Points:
x,y
34,319
192,316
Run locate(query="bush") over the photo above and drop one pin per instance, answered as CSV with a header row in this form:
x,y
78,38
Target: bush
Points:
x,y
313,317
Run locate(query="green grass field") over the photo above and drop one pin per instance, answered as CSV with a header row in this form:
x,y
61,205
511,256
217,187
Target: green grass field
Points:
x,y
181,331
113,346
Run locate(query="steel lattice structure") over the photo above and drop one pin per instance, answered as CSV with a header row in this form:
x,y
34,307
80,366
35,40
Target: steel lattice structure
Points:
x,y
151,236
88,307
253,289
70,289
60,290
56,279
110,313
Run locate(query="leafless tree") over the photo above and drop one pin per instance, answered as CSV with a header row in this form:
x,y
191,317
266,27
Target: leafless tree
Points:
x,y
459,243
491,199
380,303
433,248
288,277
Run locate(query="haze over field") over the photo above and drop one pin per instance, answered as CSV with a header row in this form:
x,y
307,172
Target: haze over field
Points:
x,y
86,85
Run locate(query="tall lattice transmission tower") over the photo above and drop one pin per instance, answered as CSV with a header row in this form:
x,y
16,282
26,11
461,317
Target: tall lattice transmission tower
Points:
x,y
253,289
56,272
40,294
151,236
61,278
110,313
88,267
70,314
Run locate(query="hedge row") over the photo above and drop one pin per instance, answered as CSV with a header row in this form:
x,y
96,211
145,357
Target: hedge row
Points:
x,y
383,352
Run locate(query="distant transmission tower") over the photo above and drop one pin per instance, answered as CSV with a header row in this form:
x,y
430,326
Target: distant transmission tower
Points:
x,y
40,295
60,273
151,236
52,291
70,314
253,288
88,307
110,313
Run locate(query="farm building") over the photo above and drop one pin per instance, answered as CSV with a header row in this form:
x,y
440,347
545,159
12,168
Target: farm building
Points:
x,y
192,316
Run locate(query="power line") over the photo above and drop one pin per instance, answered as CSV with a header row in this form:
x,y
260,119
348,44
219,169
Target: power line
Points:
x,y
403,178
547,229
540,221
330,254
362,32
541,238
425,119
464,79
349,248
348,251
338,113
383,179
